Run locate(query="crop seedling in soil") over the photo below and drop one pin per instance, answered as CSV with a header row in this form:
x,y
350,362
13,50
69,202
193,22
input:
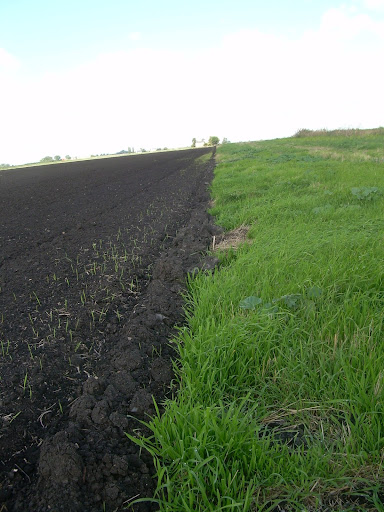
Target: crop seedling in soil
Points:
x,y
25,381
30,350
14,417
37,300
5,349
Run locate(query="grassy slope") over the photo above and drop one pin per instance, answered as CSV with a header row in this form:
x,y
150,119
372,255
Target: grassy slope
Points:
x,y
281,400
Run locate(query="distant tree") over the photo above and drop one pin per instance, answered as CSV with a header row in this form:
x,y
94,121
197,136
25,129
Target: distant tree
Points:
x,y
158,149
142,150
193,142
47,159
57,158
130,150
4,166
165,149
213,140
225,141
67,157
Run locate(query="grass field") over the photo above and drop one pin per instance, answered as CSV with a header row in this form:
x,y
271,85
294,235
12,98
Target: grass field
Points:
x,y
280,395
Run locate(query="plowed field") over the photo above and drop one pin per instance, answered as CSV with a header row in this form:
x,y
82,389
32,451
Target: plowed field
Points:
x,y
93,261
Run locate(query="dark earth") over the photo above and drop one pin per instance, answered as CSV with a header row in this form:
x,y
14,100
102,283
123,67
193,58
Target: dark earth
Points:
x,y
93,262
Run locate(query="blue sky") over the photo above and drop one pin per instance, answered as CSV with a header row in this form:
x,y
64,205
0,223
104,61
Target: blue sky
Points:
x,y
82,77
48,35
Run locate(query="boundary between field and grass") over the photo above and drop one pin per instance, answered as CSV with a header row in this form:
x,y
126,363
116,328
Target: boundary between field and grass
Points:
x,y
92,158
280,374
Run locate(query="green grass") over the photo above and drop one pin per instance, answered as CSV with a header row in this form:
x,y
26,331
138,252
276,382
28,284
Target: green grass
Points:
x,y
281,366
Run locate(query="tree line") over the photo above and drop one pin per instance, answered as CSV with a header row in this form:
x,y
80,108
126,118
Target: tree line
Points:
x,y
212,141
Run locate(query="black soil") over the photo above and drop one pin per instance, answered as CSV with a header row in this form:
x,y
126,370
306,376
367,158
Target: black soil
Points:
x,y
93,263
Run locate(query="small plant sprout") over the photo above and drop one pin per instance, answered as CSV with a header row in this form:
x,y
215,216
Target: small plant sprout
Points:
x,y
37,298
30,350
5,348
25,381
15,416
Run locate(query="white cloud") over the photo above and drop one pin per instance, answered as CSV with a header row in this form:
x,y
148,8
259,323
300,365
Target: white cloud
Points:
x,y
375,5
344,24
327,78
253,85
7,61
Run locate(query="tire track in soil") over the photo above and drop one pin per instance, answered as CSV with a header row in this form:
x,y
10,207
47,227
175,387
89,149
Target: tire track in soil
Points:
x,y
66,449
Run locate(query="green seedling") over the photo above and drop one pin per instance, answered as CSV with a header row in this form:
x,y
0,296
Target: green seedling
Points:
x,y
5,348
83,298
14,417
30,350
37,298
25,381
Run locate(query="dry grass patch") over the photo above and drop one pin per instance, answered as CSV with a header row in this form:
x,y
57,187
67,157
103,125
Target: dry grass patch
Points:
x,y
341,132
231,239
343,155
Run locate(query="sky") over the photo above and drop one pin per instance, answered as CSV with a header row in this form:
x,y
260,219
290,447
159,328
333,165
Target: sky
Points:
x,y
82,77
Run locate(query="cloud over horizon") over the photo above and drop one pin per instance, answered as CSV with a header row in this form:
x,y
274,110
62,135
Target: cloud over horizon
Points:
x,y
251,85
